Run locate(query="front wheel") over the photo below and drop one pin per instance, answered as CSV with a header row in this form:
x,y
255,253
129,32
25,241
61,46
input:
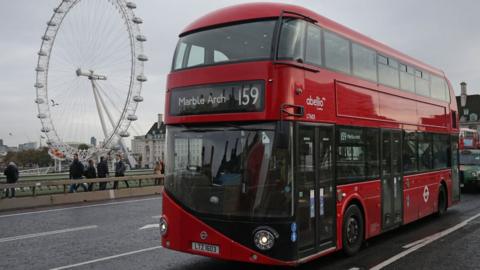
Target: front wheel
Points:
x,y
442,201
352,230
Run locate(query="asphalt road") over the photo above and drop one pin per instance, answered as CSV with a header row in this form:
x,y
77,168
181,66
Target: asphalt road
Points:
x,y
124,235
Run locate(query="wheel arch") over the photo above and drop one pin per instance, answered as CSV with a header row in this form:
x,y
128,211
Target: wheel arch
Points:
x,y
352,200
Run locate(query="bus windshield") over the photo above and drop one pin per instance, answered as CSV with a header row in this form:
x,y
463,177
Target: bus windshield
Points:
x,y
230,170
233,43
470,157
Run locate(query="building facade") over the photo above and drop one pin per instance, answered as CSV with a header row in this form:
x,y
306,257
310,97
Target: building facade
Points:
x,y
468,109
27,146
150,148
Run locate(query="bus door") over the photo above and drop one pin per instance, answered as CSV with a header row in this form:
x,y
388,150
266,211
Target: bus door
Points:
x,y
391,177
315,189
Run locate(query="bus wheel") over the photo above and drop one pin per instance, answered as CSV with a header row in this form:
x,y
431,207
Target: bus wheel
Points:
x,y
442,201
352,230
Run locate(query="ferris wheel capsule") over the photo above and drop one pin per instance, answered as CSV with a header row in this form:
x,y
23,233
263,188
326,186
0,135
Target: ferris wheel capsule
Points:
x,y
41,116
137,20
45,130
138,98
132,117
131,5
141,78
142,57
141,38
39,100
124,134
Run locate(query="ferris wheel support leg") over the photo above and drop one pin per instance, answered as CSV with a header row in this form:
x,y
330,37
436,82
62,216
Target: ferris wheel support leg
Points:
x,y
100,114
129,157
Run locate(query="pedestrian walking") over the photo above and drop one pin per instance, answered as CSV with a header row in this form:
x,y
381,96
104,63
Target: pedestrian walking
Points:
x,y
90,173
120,171
158,170
11,172
102,172
76,172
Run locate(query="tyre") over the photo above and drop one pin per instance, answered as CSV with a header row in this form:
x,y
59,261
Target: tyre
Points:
x,y
442,201
353,231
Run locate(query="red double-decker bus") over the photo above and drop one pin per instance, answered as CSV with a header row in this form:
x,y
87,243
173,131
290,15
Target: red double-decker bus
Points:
x,y
290,136
469,139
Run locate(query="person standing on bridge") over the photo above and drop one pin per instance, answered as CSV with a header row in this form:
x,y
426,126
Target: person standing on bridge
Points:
x,y
11,172
102,172
76,172
120,171
90,173
159,170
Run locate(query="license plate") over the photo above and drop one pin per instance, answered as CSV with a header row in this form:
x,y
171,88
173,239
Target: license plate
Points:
x,y
214,249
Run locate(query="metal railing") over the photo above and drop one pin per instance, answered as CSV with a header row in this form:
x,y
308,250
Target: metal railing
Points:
x,y
51,187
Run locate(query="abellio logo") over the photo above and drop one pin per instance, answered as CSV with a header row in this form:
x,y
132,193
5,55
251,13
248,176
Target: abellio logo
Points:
x,y
318,102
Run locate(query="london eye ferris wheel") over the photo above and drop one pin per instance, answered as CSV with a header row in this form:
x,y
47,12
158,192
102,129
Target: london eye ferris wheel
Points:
x,y
89,76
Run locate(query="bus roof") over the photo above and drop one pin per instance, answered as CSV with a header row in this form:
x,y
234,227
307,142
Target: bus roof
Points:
x,y
251,11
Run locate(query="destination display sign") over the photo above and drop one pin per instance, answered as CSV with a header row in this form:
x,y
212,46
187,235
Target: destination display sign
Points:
x,y
247,96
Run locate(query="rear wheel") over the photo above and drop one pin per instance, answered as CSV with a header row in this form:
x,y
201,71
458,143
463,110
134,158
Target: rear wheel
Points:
x,y
352,230
442,201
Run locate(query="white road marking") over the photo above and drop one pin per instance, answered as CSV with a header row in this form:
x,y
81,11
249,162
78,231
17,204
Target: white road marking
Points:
x,y
106,258
33,235
423,242
150,226
155,217
415,243
76,207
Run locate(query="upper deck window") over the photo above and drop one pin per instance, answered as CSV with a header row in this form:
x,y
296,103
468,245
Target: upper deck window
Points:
x,y
292,39
422,83
313,54
407,79
364,64
388,71
337,52
232,43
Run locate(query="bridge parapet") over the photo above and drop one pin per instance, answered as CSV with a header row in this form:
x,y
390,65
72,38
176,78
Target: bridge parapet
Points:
x,y
55,192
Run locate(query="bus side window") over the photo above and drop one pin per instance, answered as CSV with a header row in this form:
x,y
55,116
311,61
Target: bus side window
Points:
x,y
313,53
364,62
410,152
337,52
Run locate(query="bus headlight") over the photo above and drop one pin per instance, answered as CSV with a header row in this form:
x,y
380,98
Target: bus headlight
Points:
x,y
163,226
264,239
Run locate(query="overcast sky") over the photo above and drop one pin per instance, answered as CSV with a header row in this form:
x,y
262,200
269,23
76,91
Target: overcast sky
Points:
x,y
442,33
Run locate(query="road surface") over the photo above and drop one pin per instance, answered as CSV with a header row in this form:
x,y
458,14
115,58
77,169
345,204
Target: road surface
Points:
x,y
124,234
